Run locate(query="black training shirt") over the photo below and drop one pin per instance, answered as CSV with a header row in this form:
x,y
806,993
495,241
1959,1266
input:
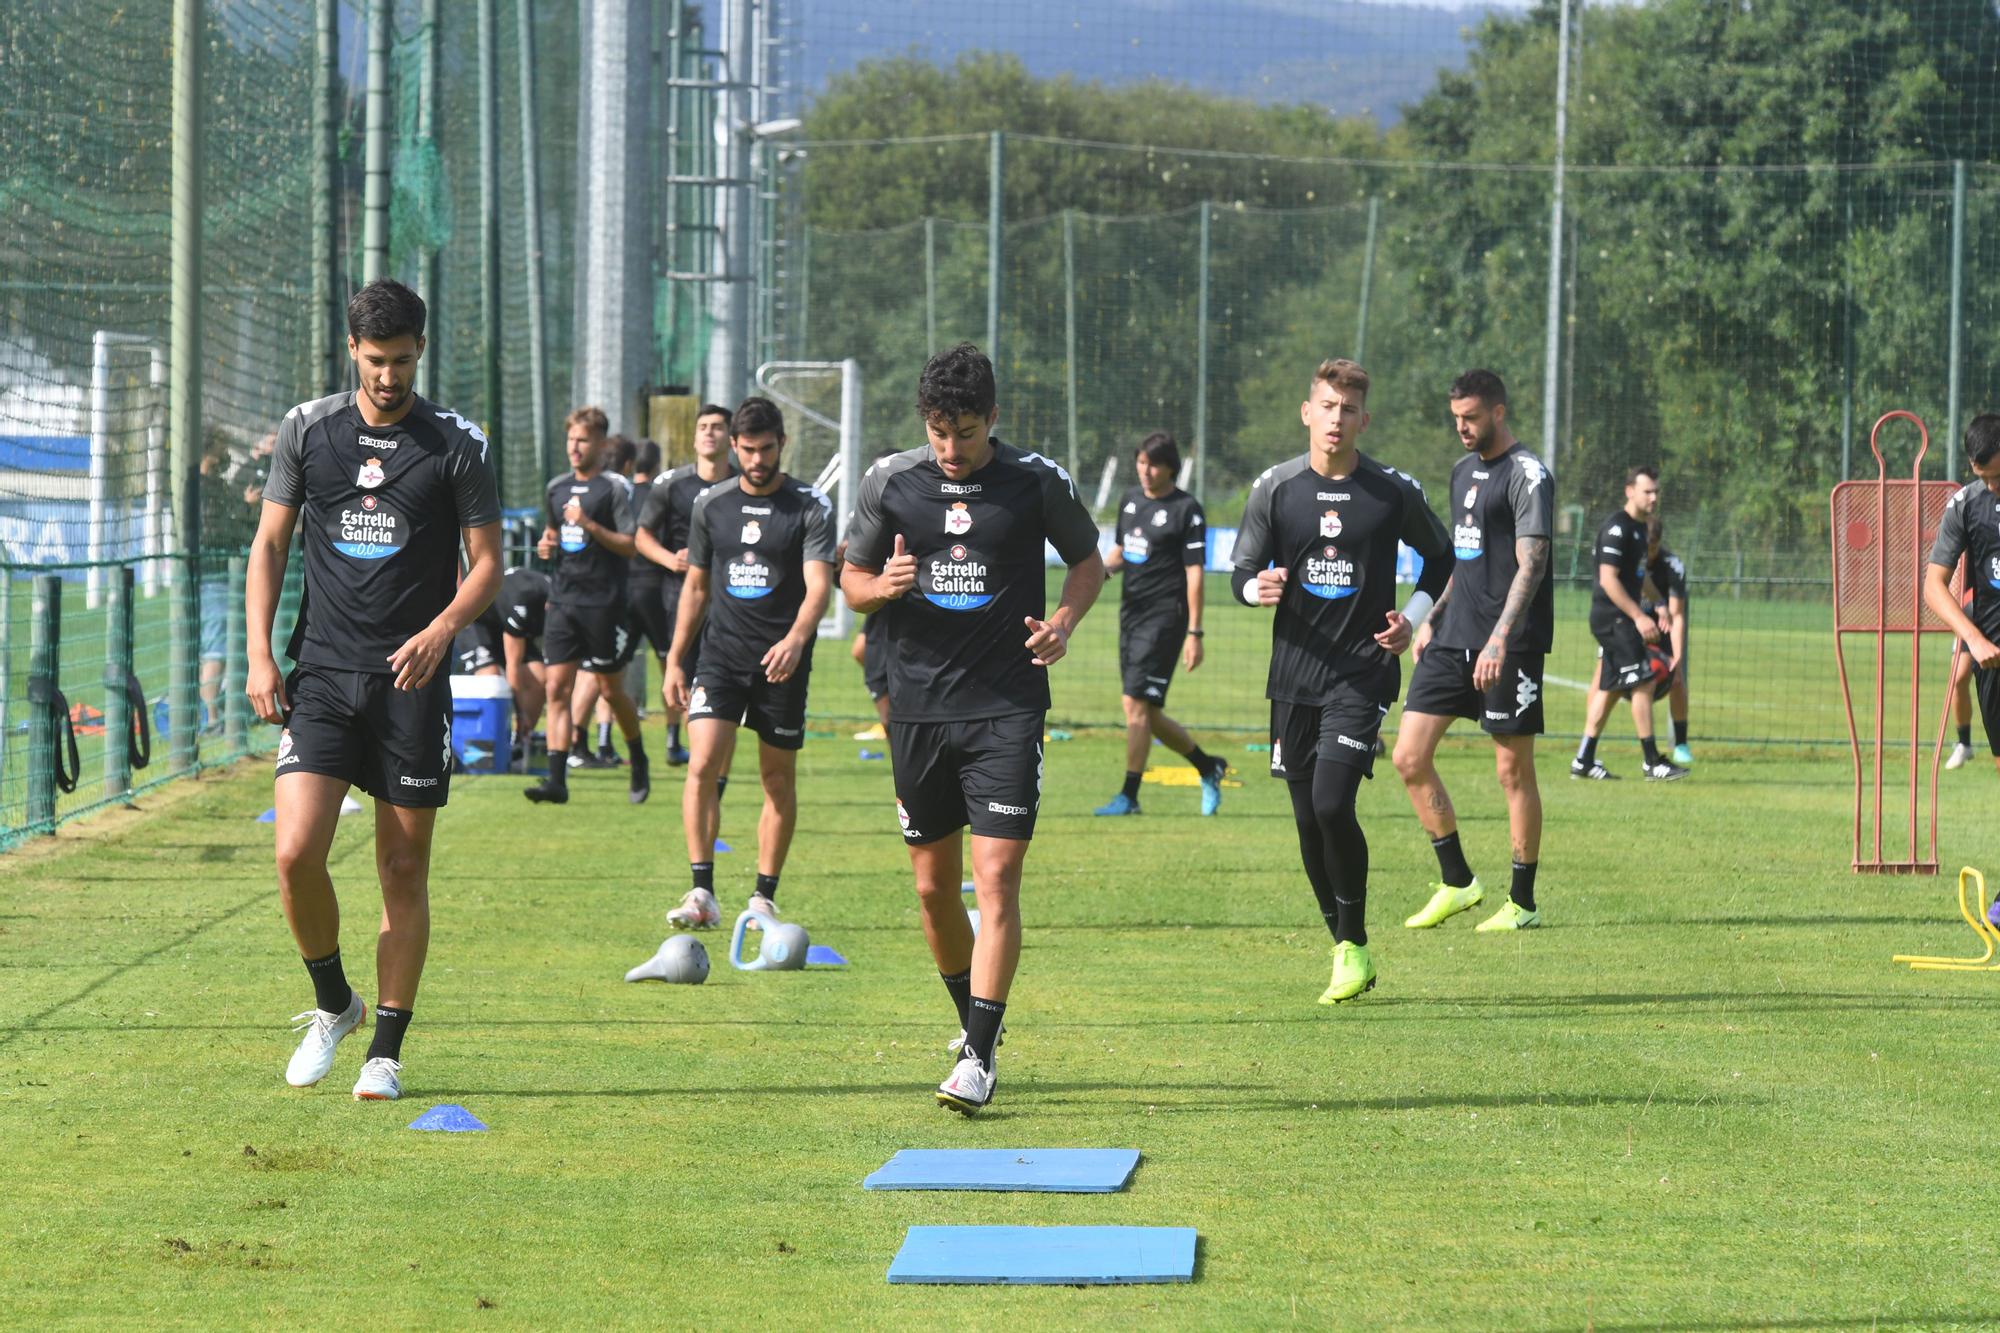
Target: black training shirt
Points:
x,y
588,573
1971,528
1160,539
1337,540
1621,543
666,510
379,513
523,601
755,549
957,644
1492,505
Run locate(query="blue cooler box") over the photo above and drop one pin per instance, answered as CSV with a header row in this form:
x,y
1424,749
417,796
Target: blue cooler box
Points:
x,y
482,722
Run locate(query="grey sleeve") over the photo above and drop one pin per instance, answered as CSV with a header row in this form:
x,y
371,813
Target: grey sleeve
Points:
x,y
1067,524
623,520
698,544
1531,493
653,513
286,485
473,487
1945,551
869,541
1254,535
818,520
1194,535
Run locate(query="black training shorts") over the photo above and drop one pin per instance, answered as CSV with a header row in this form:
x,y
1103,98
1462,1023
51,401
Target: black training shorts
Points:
x,y
985,773
652,619
1622,660
775,710
477,647
1986,684
1442,686
596,638
356,725
1341,730
1148,651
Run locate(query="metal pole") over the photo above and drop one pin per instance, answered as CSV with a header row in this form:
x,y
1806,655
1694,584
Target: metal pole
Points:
x,y
1201,366
995,171
325,159
1954,369
850,471
531,193
729,334
1551,336
489,233
429,266
156,467
100,461
1069,327
930,286
184,361
117,666
44,667
375,170
1367,279
1847,347
236,659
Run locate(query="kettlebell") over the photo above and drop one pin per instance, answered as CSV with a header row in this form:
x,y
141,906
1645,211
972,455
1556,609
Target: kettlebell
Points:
x,y
681,959
783,948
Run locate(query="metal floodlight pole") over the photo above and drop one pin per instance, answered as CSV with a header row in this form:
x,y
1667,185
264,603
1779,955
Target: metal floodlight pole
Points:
x,y
1954,369
429,264
531,223
1551,342
730,269
930,286
1069,328
1367,279
1201,364
325,159
184,361
489,234
995,173
375,169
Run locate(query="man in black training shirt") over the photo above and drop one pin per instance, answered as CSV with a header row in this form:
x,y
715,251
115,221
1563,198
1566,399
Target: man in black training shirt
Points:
x,y
523,604
1971,529
759,575
1318,542
1623,630
662,538
589,536
383,488
944,552
1162,544
1666,580
1481,654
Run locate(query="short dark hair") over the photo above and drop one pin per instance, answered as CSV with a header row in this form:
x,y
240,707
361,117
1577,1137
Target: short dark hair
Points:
x,y
957,382
645,458
1646,470
1481,384
1160,450
384,310
620,458
713,410
1982,438
756,416
1341,373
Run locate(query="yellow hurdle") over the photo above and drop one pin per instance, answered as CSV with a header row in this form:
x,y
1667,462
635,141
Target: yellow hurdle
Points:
x,y
1975,916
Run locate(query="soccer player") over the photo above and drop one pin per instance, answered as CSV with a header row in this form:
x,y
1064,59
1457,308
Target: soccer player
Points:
x,y
1318,542
1667,574
944,553
590,523
383,487
662,538
524,603
759,573
1971,529
1481,654
1623,630
1162,544
477,651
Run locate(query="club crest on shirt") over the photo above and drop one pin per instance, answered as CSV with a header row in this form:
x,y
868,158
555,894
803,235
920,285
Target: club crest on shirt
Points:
x,y
1159,518
752,532
371,475
958,520
1329,524
1471,496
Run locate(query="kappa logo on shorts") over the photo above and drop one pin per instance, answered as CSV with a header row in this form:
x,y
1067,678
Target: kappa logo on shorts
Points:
x,y
1277,755
1351,743
1526,690
409,781
285,753
1016,810
447,743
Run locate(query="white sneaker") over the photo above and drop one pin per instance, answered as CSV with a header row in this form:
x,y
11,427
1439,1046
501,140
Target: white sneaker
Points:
x,y
958,1043
698,911
314,1057
379,1081
970,1087
759,903
1960,752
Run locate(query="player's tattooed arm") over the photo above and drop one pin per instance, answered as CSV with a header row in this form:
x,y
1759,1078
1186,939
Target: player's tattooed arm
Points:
x,y
1531,564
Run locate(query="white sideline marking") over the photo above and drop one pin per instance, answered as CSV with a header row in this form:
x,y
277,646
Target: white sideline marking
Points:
x,y
1566,682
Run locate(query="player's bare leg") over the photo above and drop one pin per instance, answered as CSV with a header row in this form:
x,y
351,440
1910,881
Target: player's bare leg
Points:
x,y
560,680
1514,766
524,678
308,812
403,863
778,770
711,743
1415,757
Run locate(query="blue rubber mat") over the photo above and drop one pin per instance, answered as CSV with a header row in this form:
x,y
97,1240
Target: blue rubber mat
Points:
x,y
1067,1256
1044,1170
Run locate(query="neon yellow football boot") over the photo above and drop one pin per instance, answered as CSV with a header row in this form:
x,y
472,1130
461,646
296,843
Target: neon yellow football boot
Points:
x,y
1353,973
1445,903
1511,916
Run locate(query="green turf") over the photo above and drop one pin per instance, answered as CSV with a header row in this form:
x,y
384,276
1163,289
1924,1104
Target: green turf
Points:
x,y
1703,1098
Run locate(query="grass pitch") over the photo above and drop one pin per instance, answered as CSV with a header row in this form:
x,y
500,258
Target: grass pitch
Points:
x,y
1702,1098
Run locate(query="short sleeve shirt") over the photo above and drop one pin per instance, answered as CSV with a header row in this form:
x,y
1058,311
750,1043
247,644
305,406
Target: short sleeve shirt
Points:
x,y
1971,528
1621,543
755,549
667,508
1159,539
1493,505
380,509
957,644
588,573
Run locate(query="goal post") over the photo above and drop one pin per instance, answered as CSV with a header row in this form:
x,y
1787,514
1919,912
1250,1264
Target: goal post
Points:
x,y
822,403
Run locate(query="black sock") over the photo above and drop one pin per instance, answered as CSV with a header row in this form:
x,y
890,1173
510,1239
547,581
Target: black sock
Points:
x,y
1964,735
1202,760
721,786
768,886
390,1025
1681,731
1451,860
330,989
558,769
982,1028
960,989
636,747
1333,847
1350,920
1586,753
1523,892
704,874
1131,787
673,735
1651,750
603,736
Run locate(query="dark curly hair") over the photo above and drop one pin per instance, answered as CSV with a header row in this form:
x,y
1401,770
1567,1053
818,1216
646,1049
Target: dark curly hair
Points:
x,y
957,382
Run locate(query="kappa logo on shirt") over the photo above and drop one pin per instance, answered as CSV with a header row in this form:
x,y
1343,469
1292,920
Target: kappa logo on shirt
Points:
x,y
1617,531
371,475
958,520
376,444
1131,507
